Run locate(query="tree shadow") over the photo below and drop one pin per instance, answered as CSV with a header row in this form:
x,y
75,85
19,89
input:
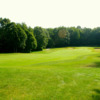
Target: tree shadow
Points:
x,y
96,95
97,64
94,65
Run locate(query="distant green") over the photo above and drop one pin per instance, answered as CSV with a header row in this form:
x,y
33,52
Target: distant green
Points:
x,y
71,73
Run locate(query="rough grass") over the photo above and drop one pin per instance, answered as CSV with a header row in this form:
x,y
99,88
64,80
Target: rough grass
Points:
x,y
71,73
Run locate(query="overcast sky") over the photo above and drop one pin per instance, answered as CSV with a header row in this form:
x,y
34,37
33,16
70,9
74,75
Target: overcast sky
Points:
x,y
52,13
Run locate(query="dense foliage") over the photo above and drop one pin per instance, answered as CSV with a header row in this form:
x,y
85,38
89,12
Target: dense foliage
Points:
x,y
15,37
41,36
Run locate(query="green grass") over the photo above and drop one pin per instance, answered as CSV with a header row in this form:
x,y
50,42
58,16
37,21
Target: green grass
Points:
x,y
71,73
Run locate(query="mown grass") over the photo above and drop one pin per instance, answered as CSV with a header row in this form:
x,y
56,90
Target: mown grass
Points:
x,y
71,73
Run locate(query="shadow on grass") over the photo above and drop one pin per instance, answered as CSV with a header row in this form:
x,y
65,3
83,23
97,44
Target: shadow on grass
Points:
x,y
96,95
97,64
94,65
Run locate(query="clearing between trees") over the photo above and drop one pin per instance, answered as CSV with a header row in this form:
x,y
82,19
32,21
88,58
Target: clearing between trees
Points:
x,y
71,73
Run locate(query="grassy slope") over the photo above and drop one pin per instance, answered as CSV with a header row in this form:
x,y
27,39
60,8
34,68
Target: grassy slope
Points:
x,y
55,74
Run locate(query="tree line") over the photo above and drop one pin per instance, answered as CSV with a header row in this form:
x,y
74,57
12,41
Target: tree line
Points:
x,y
16,37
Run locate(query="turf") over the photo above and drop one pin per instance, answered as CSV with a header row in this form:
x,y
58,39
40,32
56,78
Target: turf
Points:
x,y
71,73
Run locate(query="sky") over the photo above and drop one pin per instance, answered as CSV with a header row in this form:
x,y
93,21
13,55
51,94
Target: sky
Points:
x,y
52,13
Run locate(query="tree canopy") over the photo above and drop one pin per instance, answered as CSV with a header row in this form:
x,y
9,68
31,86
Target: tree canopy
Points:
x,y
16,37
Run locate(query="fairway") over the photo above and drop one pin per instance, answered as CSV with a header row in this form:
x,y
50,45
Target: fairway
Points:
x,y
71,73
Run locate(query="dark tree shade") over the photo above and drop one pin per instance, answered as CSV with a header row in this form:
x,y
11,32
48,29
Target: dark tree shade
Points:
x,y
13,38
31,42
